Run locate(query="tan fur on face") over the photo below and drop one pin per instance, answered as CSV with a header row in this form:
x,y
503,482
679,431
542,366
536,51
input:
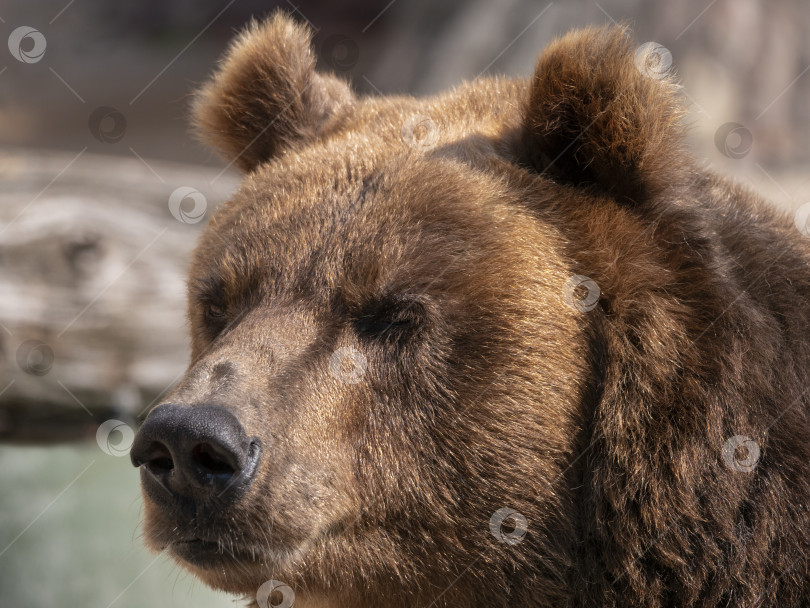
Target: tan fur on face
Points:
x,y
604,428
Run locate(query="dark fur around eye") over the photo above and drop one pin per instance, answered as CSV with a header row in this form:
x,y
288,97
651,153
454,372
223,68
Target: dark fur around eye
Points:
x,y
393,317
209,295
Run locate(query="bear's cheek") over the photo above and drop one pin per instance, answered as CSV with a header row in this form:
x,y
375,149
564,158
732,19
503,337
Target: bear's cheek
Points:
x,y
302,494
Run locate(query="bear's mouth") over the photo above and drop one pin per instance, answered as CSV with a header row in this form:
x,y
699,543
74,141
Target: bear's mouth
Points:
x,y
208,554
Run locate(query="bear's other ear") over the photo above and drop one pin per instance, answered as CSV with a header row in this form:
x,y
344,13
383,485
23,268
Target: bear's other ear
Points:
x,y
600,112
265,95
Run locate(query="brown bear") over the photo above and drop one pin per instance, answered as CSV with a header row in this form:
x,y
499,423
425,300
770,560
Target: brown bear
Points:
x,y
510,345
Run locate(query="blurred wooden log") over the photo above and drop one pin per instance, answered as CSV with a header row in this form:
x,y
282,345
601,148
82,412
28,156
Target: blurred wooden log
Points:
x,y
92,286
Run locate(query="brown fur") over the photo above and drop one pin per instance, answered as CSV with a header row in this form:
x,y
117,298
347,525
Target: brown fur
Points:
x,y
446,269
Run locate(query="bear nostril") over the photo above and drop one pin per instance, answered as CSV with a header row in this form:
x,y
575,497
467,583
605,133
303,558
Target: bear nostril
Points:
x,y
160,459
210,460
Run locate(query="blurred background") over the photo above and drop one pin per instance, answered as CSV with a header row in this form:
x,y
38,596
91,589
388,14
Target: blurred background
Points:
x,y
103,191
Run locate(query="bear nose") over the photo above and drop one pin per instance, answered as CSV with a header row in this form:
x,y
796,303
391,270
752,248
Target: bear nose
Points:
x,y
195,452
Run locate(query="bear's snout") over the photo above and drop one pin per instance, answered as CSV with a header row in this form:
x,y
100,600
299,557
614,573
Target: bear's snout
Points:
x,y
197,453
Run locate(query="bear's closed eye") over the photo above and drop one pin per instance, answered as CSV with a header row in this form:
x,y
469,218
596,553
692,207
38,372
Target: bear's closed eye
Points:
x,y
393,317
214,311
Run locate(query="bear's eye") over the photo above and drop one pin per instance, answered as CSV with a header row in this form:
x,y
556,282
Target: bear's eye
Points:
x,y
399,317
214,311
208,295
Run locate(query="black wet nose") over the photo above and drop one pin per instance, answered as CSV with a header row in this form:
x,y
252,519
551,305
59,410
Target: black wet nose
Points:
x,y
194,452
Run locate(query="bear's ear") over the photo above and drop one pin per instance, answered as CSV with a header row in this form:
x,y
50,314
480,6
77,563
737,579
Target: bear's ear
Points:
x,y
601,112
266,95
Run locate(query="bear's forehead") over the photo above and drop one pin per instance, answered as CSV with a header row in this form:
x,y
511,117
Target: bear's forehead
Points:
x,y
394,213
368,201
319,222
358,186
